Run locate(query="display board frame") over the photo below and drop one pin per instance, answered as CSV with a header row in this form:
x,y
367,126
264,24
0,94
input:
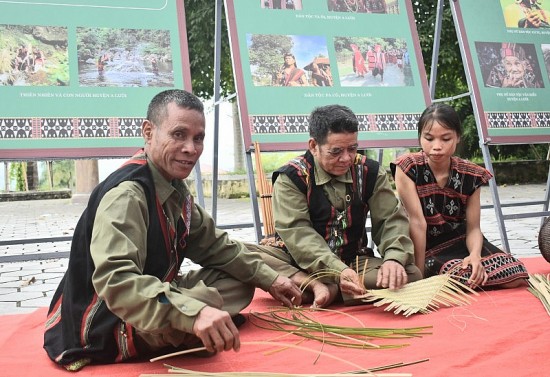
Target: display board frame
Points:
x,y
513,107
72,102
527,118
275,114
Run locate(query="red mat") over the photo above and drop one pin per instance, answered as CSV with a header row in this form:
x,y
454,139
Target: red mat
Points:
x,y
503,333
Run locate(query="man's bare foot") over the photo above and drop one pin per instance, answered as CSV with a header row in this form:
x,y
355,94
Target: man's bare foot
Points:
x,y
324,294
318,294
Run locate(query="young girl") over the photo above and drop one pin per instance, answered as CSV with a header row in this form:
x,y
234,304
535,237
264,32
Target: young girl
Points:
x,y
441,193
290,74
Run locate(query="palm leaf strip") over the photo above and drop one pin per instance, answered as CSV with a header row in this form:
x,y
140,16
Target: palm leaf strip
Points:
x,y
297,321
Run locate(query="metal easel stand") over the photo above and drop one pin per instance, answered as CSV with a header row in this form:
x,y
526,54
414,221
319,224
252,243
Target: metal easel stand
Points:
x,y
484,142
493,186
498,206
217,65
217,98
257,223
250,171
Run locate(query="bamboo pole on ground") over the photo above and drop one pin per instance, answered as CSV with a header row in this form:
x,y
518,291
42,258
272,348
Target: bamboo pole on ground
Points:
x,y
266,190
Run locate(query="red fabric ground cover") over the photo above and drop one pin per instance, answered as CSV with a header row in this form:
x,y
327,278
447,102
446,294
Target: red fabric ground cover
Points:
x,y
503,333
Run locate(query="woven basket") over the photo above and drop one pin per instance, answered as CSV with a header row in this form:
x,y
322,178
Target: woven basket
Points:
x,y
544,239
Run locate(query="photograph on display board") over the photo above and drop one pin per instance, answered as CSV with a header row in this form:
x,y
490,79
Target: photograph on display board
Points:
x,y
505,67
364,6
289,60
526,13
76,75
124,57
546,53
509,65
366,61
34,55
322,55
282,4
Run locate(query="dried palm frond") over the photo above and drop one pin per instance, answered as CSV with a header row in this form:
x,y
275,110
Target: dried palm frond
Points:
x,y
539,286
422,296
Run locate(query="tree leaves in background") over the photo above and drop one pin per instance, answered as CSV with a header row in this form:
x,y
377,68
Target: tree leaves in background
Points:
x,y
451,79
200,18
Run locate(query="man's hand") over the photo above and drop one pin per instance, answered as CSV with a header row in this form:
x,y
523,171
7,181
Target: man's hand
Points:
x,y
392,275
216,330
286,291
350,283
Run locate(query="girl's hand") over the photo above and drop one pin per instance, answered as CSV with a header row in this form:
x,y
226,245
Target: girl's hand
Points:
x,y
479,275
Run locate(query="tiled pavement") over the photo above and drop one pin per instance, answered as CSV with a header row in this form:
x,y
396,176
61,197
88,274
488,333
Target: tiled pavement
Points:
x,y
31,271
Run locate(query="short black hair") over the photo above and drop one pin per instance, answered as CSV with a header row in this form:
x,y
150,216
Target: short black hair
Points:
x,y
441,113
331,118
156,111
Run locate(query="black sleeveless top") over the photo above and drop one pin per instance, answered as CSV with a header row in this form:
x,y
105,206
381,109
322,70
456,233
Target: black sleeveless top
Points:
x,y
80,329
344,231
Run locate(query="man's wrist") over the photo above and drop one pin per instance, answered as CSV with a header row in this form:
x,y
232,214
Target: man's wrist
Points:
x,y
393,260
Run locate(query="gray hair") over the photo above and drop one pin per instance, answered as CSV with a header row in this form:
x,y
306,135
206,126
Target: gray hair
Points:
x,y
156,112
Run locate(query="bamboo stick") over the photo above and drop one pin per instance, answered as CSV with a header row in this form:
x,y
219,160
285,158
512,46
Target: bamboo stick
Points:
x,y
258,343
360,370
265,190
188,372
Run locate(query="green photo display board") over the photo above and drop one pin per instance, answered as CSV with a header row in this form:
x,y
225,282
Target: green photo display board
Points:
x,y
76,76
506,48
291,56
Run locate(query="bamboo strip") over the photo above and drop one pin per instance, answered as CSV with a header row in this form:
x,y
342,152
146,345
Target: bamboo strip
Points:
x,y
194,373
360,371
266,191
372,345
358,367
369,372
